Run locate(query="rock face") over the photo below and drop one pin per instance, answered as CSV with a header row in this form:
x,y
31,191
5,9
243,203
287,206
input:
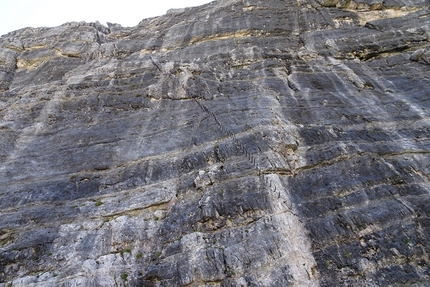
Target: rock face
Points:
x,y
239,143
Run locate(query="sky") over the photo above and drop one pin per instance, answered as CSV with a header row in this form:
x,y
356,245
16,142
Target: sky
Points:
x,y
17,14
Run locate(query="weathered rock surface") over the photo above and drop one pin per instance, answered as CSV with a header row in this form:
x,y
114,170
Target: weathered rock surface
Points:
x,y
240,143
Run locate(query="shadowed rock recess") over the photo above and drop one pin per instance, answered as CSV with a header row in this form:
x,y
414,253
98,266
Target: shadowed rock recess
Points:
x,y
239,143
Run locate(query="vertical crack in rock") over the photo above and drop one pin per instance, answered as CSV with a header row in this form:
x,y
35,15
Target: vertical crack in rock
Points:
x,y
299,250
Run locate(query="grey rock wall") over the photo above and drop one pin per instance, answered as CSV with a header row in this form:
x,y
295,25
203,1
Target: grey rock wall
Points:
x,y
239,143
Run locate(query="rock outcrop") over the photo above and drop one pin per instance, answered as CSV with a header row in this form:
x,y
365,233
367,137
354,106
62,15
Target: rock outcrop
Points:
x,y
239,143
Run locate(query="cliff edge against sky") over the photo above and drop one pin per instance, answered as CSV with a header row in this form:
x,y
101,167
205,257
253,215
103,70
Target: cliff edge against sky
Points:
x,y
239,143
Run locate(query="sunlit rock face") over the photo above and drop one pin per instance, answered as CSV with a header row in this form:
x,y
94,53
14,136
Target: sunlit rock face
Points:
x,y
239,143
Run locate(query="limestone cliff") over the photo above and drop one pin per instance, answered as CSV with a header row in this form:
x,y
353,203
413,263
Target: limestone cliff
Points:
x,y
239,143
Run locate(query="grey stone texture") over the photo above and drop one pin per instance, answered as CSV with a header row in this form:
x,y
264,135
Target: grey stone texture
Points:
x,y
239,143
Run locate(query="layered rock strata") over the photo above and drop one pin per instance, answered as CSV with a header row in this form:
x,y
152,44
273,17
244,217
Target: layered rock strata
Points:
x,y
239,143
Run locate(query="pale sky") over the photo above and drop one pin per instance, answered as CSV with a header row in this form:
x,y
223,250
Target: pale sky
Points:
x,y
17,14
